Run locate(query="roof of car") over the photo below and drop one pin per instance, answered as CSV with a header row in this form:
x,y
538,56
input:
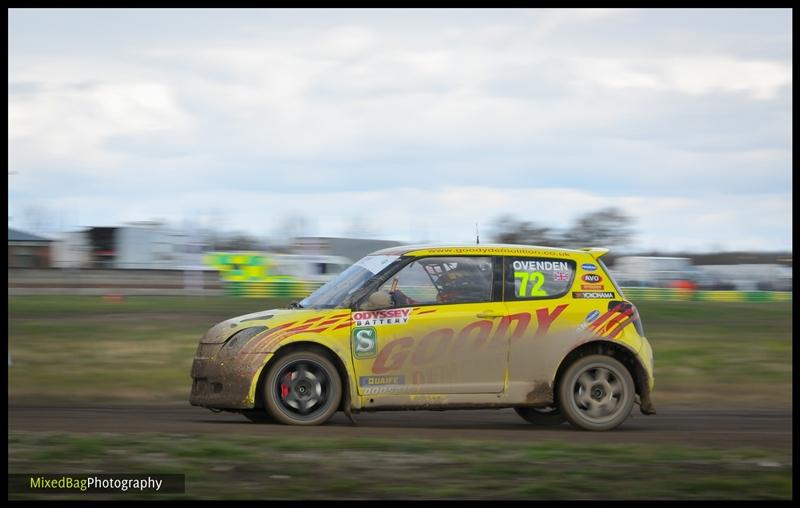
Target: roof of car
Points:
x,y
486,249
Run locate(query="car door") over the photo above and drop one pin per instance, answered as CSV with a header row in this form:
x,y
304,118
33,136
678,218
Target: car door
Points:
x,y
436,331
537,291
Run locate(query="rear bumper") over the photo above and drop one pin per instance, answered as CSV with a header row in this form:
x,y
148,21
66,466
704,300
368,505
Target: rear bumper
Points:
x,y
226,382
646,358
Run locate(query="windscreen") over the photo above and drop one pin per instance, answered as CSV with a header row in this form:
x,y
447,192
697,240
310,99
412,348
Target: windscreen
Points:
x,y
335,292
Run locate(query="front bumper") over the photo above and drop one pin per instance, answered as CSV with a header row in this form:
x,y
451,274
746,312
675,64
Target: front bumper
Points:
x,y
221,382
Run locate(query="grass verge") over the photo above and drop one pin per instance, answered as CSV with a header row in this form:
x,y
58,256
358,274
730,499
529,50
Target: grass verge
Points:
x,y
229,467
141,349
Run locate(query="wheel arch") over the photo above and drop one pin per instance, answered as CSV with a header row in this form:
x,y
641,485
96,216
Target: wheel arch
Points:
x,y
292,347
619,352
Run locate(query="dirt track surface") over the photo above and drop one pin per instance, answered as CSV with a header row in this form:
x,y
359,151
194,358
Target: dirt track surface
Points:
x,y
739,427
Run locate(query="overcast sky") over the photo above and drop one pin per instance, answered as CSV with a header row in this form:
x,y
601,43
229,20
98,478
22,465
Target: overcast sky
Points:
x,y
404,124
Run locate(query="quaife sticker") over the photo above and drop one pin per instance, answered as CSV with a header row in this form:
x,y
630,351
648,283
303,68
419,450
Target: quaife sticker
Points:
x,y
375,385
381,317
365,342
592,287
592,295
381,380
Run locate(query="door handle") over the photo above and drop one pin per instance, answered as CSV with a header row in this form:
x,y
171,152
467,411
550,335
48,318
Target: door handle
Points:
x,y
489,314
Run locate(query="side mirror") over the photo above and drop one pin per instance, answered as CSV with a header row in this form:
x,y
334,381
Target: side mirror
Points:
x,y
377,300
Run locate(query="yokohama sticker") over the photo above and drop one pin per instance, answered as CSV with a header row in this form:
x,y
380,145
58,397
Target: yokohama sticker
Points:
x,y
593,295
381,317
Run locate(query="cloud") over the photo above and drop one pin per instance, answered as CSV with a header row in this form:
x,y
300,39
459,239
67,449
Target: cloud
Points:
x,y
614,104
692,75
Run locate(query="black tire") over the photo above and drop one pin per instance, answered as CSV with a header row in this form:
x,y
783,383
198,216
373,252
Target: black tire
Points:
x,y
302,388
596,393
541,416
258,416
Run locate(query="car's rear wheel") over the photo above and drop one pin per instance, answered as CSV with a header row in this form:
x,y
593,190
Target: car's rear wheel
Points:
x,y
542,416
596,393
302,388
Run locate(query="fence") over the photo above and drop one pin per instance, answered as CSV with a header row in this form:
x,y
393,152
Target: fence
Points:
x,y
278,288
174,282
271,289
677,294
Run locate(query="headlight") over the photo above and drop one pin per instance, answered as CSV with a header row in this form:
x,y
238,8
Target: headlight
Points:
x,y
240,338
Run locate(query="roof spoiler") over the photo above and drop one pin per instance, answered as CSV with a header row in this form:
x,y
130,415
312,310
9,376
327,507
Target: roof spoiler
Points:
x,y
595,252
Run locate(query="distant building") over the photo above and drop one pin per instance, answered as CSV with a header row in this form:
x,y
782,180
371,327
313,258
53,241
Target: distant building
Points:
x,y
26,250
139,245
752,277
660,271
310,267
71,250
350,248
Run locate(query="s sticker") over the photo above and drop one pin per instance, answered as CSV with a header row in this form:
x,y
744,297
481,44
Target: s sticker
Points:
x,y
365,342
589,267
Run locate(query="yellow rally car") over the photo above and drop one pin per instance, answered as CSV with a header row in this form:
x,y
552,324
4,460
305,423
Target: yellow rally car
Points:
x,y
543,330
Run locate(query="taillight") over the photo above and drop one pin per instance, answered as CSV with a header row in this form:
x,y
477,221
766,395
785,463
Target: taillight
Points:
x,y
629,309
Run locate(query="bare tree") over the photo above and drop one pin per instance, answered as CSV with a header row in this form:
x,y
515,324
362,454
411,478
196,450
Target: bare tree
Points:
x,y
38,219
235,241
507,229
609,227
293,225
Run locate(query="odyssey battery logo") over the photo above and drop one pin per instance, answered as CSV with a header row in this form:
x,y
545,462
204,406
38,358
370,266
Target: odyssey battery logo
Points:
x,y
381,317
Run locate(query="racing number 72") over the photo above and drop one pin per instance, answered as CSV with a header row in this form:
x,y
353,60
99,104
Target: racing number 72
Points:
x,y
536,279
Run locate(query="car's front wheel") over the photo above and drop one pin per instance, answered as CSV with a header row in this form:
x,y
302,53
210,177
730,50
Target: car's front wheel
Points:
x,y
302,388
596,393
541,416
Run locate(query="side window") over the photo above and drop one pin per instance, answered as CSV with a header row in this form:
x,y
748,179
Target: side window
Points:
x,y
441,280
536,278
411,286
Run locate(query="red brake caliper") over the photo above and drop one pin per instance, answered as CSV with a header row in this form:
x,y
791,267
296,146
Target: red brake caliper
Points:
x,y
284,386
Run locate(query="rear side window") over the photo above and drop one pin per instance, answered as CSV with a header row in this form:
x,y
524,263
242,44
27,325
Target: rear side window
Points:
x,y
537,278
